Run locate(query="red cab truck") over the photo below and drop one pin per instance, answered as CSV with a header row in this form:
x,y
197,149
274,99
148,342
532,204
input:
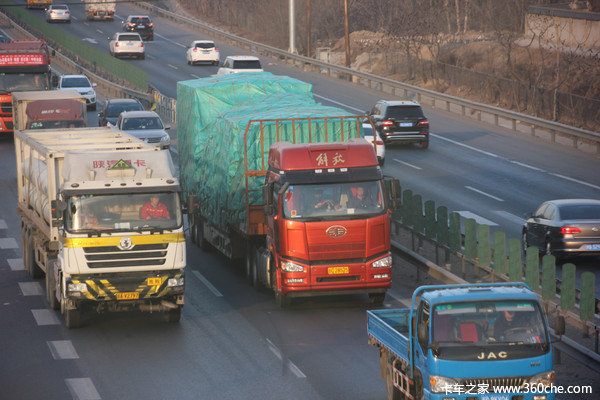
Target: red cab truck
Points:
x,y
24,66
301,200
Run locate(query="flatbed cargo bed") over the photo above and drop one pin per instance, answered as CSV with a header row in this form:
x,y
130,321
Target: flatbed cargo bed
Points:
x,y
389,328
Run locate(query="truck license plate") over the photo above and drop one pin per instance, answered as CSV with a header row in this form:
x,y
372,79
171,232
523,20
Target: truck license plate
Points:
x,y
128,296
337,270
154,281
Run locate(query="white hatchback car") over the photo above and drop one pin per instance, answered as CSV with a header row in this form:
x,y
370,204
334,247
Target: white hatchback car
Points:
x,y
202,51
234,64
127,45
58,12
377,143
82,84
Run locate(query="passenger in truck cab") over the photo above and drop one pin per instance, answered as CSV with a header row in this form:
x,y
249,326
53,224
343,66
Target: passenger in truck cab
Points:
x,y
154,209
360,199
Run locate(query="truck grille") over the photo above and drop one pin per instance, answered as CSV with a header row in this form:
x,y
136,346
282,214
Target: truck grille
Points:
x,y
153,140
491,382
113,257
6,107
339,278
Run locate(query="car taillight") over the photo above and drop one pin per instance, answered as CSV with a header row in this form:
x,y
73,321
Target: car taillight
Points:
x,y
423,123
116,44
379,142
216,49
387,123
151,24
67,12
131,24
51,12
142,44
195,49
569,230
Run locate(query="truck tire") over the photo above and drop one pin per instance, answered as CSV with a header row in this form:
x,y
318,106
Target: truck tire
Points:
x,y
248,265
376,298
73,318
173,315
34,271
392,391
282,300
51,285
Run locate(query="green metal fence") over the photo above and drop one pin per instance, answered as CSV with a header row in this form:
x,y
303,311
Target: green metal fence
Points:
x,y
98,59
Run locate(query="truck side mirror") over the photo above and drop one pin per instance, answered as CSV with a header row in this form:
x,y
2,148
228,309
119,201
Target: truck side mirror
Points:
x,y
192,204
395,193
559,325
54,81
423,335
267,191
57,207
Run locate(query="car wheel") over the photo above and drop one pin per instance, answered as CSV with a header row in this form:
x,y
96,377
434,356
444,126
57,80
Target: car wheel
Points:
x,y
143,57
215,63
189,62
424,144
381,162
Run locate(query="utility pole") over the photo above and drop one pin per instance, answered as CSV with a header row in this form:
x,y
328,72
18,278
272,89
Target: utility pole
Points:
x,y
292,27
307,28
347,35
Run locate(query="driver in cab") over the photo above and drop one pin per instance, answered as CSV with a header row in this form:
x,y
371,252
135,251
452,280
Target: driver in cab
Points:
x,y
154,209
508,323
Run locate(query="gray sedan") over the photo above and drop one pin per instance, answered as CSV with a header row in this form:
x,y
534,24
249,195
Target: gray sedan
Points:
x,y
145,125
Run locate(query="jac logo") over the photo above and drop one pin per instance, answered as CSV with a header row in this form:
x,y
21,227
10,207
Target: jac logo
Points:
x,y
492,356
336,231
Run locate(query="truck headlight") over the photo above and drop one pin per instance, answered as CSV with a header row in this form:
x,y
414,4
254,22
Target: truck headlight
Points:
x,y
289,266
441,384
545,378
175,282
384,262
77,287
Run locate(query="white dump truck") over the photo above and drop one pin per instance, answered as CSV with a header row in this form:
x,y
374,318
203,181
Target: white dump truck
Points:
x,y
101,219
100,9
49,109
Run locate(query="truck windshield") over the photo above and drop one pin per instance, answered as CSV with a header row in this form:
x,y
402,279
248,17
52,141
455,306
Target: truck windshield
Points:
x,y
332,201
23,82
123,212
488,330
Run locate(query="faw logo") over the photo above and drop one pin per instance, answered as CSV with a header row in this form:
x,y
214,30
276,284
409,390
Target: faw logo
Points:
x,y
336,231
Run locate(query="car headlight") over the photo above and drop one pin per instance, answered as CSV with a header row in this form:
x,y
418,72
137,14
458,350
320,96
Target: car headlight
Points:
x,y
165,138
77,287
384,262
441,384
289,266
175,282
545,378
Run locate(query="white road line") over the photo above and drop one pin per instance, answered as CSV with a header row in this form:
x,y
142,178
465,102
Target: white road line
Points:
x,y
407,164
62,350
8,243
31,288
207,283
195,76
16,264
75,18
510,217
99,31
484,193
479,219
45,317
148,56
575,180
295,370
172,66
338,103
274,349
172,41
291,366
528,166
82,389
3,224
464,145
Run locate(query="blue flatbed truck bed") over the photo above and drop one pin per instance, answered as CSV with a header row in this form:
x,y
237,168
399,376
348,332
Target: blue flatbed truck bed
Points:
x,y
478,362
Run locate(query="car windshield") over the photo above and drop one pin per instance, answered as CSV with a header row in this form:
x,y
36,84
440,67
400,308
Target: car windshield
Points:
x,y
141,123
57,124
18,82
204,45
113,110
405,112
331,201
76,82
501,329
580,211
59,7
246,64
140,20
129,38
123,212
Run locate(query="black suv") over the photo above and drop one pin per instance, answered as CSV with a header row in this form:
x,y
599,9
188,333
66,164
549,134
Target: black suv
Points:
x,y
114,107
140,24
400,122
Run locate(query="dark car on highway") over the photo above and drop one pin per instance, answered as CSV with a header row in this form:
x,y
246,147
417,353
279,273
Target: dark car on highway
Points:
x,y
114,107
141,24
565,227
401,122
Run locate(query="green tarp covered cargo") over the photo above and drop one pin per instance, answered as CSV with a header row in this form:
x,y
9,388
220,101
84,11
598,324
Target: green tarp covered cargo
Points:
x,y
225,126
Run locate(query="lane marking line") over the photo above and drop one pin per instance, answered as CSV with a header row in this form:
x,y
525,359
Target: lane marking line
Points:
x,y
31,288
407,164
99,31
207,283
510,217
296,371
338,103
195,76
3,224
528,166
575,180
169,40
479,219
274,349
8,243
172,66
484,193
291,366
16,264
75,18
62,350
82,389
148,56
45,317
465,145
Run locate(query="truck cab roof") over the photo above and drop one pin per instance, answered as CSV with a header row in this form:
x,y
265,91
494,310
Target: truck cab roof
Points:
x,y
478,293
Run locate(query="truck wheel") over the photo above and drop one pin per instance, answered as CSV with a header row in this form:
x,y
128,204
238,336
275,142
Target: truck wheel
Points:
x,y
51,285
73,318
201,241
34,271
392,391
376,298
248,265
173,315
282,300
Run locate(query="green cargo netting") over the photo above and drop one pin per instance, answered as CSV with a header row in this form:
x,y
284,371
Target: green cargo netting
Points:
x,y
212,117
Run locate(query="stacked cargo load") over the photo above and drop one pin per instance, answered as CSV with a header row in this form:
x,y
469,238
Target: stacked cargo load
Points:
x,y
225,127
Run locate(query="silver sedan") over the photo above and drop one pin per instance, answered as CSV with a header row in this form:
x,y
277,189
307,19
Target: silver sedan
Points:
x,y
58,12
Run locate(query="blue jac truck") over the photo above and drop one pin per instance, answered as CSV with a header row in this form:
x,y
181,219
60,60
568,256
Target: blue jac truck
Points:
x,y
466,342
